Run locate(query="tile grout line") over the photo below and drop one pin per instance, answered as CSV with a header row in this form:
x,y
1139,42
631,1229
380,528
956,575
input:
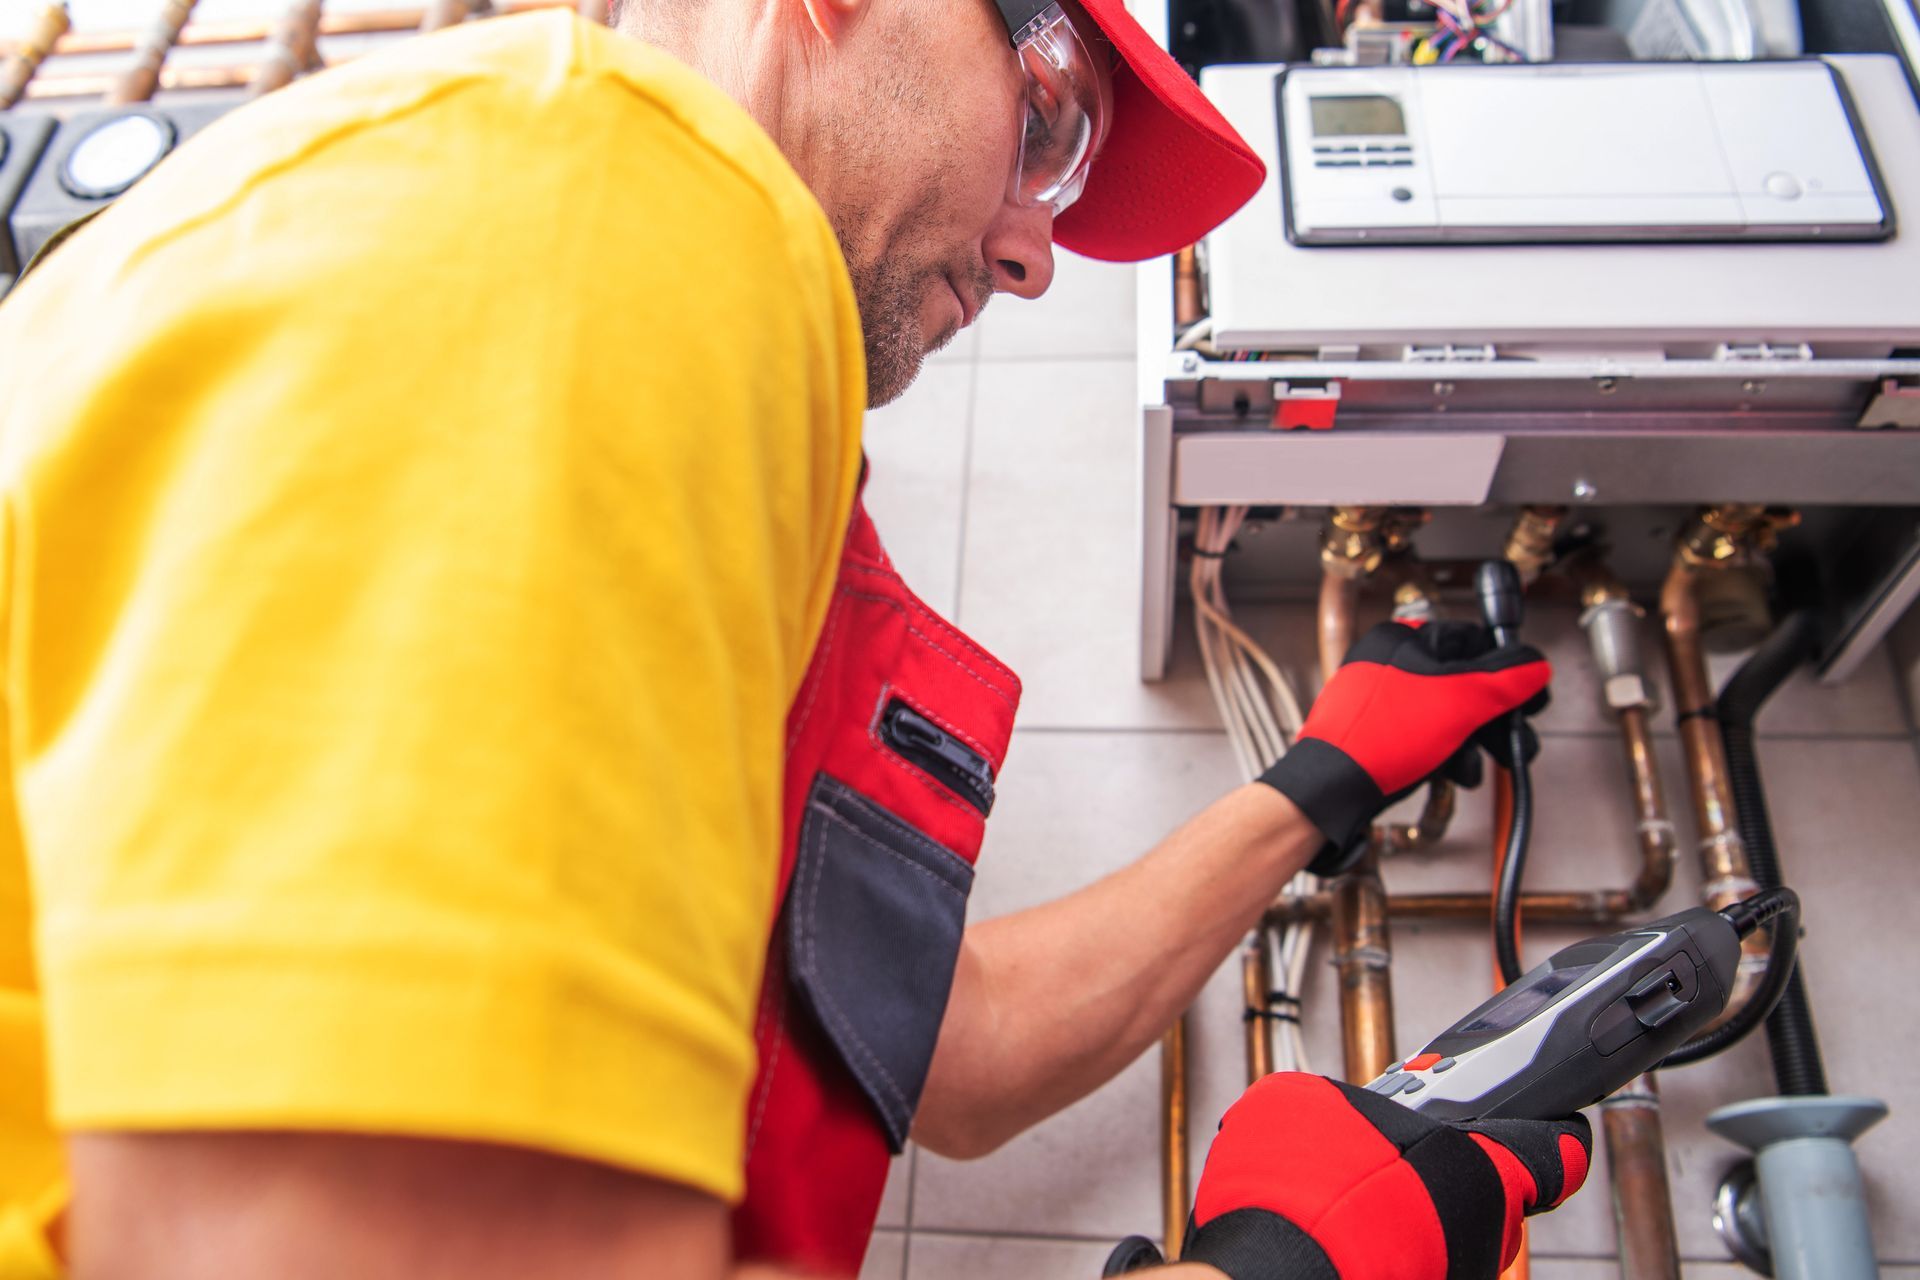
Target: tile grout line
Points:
x,y
906,1234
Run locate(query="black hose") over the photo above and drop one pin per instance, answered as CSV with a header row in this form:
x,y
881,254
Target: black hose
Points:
x,y
1777,904
1502,601
1506,902
1791,1037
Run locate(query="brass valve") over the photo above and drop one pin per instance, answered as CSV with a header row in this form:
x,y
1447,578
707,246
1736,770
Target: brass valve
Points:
x,y
1734,533
1530,543
1354,541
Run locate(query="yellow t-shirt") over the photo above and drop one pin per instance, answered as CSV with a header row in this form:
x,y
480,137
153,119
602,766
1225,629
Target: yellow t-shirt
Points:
x,y
421,497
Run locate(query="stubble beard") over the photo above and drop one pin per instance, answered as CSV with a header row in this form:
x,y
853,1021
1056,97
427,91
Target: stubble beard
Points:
x,y
890,297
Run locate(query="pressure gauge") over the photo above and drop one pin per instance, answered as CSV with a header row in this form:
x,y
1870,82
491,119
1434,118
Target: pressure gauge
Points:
x,y
115,154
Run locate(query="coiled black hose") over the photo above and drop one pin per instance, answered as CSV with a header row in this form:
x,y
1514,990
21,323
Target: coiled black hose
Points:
x,y
1746,916
1794,1044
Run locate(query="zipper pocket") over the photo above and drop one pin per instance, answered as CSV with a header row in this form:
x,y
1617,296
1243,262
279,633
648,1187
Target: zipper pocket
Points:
x,y
951,762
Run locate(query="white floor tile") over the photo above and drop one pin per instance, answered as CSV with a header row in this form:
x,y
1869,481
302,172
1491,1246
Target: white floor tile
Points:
x,y
917,448
1543,1267
1088,311
1060,823
1063,818
886,1257
893,1203
964,347
946,1257
1090,1171
1050,581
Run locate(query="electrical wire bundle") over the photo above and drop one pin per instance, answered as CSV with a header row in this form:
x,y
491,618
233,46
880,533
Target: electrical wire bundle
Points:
x,y
1465,24
1262,716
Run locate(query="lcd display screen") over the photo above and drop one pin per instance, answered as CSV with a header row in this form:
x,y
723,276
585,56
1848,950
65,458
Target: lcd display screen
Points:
x,y
1523,1002
1357,115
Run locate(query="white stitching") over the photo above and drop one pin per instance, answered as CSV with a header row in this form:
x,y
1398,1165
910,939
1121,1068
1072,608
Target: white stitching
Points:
x,y
926,710
828,1004
929,641
960,637
887,820
920,776
895,854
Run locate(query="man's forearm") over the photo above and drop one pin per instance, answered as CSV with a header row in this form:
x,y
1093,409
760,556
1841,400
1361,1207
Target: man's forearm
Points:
x,y
1050,1003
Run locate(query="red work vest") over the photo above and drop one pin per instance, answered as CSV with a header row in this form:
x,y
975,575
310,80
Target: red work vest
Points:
x,y
892,746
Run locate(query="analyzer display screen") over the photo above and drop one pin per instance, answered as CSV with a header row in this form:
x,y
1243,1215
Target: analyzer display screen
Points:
x,y
1524,1002
1356,115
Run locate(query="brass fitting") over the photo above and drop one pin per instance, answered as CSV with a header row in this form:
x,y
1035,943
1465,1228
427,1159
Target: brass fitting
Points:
x,y
1734,533
1354,541
1399,525
1530,543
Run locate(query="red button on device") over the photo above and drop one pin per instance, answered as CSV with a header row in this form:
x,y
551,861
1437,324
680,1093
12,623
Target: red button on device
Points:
x,y
1422,1062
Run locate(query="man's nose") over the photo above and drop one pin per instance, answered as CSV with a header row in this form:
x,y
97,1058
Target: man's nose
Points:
x,y
1019,249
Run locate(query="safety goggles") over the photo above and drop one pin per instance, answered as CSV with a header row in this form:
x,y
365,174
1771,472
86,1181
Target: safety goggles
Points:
x,y
1063,118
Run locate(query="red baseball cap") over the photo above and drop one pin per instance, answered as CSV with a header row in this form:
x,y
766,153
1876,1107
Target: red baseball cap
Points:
x,y
1172,168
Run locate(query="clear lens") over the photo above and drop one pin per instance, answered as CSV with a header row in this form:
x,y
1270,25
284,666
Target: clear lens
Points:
x,y
1062,111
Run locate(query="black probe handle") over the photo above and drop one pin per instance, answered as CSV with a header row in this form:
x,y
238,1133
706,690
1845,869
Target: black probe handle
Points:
x,y
1502,599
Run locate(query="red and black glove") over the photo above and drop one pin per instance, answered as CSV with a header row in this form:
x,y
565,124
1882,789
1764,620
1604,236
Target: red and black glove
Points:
x,y
1312,1179
1408,703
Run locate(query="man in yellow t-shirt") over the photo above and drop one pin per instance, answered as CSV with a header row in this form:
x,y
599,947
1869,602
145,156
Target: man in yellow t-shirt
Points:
x,y
422,497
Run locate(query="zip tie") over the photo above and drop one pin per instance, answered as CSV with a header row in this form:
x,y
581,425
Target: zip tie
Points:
x,y
1210,555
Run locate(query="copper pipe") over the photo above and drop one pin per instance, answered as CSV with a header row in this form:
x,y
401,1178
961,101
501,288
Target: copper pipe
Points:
x,y
291,50
139,81
1652,827
1339,601
1174,1203
1363,957
1425,831
1187,308
248,31
48,26
1637,1169
1256,986
1725,875
444,13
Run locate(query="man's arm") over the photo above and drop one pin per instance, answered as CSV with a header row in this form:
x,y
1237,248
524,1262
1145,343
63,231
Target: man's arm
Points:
x,y
1049,1004
1019,1043
315,1206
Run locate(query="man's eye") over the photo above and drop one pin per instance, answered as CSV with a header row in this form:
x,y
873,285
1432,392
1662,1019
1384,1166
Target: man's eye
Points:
x,y
1042,103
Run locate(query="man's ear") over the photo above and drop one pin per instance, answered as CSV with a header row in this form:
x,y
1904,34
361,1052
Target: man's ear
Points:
x,y
834,19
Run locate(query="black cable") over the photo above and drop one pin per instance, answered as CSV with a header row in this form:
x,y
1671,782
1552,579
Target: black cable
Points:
x,y
1780,905
1791,1038
1501,601
1506,902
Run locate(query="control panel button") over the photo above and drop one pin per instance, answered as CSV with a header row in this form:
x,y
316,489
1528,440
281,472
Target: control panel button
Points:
x,y
1387,1086
1422,1061
1445,1064
1414,1086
